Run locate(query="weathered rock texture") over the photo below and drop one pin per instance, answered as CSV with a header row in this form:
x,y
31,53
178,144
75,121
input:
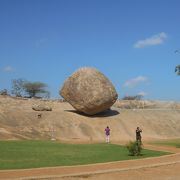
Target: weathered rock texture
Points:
x,y
41,107
89,91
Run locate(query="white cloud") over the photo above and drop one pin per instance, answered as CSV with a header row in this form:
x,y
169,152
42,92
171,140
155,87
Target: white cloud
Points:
x,y
8,69
151,41
142,93
135,81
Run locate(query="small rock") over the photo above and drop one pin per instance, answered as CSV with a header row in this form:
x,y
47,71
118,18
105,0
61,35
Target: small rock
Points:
x,y
41,107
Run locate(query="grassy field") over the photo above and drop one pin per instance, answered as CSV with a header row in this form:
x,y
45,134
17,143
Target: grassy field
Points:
x,y
33,154
174,142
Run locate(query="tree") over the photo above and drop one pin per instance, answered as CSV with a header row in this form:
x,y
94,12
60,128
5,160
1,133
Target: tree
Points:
x,y
4,92
18,87
35,88
177,69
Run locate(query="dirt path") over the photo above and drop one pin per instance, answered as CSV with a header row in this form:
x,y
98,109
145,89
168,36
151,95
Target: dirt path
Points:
x,y
152,168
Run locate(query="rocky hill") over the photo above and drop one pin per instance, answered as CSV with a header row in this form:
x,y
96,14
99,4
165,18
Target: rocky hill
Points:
x,y
159,120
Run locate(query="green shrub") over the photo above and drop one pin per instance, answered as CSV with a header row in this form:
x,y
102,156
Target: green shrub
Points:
x,y
134,148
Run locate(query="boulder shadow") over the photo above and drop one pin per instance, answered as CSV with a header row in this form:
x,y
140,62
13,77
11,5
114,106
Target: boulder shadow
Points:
x,y
107,113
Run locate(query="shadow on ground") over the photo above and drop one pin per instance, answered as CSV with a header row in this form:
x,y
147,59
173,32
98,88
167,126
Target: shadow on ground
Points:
x,y
106,113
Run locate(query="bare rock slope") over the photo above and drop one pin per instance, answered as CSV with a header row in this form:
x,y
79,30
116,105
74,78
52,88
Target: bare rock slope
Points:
x,y
19,121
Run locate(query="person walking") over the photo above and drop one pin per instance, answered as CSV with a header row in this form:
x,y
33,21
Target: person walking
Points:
x,y
107,133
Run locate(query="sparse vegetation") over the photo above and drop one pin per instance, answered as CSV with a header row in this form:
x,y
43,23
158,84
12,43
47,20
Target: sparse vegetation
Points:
x,y
177,69
134,148
20,87
4,92
35,88
136,97
33,154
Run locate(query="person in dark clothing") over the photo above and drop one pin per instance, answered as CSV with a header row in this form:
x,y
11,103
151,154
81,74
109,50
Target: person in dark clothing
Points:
x,y
138,134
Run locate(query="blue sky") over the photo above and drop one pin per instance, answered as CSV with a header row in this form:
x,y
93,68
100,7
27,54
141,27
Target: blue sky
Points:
x,y
131,42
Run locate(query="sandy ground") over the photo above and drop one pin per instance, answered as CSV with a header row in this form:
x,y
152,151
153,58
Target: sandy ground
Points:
x,y
168,172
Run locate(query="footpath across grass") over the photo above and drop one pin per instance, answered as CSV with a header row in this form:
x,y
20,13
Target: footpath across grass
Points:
x,y
173,142
34,154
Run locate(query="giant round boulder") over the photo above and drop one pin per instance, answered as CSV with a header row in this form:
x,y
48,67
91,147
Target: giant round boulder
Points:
x,y
89,91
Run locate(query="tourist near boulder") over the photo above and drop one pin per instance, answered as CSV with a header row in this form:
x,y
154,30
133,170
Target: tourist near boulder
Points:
x,y
89,91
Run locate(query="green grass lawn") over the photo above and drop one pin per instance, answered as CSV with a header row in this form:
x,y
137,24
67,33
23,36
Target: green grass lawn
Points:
x,y
173,142
33,154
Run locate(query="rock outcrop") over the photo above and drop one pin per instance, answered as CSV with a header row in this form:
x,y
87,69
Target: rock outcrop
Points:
x,y
89,91
41,107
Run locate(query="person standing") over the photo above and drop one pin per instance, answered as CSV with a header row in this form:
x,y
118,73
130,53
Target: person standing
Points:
x,y
138,135
107,133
